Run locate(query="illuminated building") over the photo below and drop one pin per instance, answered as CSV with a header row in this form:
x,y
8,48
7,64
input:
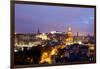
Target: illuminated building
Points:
x,y
69,38
56,32
43,36
45,58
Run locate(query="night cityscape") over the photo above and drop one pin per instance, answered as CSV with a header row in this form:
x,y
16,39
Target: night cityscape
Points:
x,y
53,35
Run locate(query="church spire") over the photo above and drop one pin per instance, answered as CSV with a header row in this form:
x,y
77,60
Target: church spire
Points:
x,y
38,31
69,28
69,38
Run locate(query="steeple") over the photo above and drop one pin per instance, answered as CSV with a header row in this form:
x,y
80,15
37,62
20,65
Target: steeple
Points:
x,y
38,31
69,36
69,28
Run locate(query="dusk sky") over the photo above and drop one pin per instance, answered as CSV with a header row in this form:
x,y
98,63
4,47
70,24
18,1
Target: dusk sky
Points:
x,y
28,18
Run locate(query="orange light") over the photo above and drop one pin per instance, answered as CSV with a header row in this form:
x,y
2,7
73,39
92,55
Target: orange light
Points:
x,y
45,58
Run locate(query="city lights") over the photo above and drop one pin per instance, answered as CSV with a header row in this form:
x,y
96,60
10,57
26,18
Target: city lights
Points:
x,y
53,36
56,45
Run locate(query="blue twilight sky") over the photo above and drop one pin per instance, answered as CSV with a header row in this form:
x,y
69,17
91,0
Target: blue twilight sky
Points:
x,y
28,18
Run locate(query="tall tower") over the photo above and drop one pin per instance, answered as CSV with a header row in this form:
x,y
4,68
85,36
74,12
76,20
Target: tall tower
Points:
x,y
38,31
77,36
69,36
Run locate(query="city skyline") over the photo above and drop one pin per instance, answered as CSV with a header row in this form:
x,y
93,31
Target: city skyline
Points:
x,y
30,18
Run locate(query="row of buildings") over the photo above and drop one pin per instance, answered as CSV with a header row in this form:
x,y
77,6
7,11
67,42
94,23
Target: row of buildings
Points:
x,y
54,36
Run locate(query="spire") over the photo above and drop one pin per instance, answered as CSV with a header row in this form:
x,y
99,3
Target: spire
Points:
x,y
69,28
38,31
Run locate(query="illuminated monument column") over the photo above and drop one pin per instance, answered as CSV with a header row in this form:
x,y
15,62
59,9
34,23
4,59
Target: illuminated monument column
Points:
x,y
69,37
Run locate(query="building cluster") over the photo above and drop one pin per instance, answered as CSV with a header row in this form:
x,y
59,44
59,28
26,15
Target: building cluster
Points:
x,y
53,47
